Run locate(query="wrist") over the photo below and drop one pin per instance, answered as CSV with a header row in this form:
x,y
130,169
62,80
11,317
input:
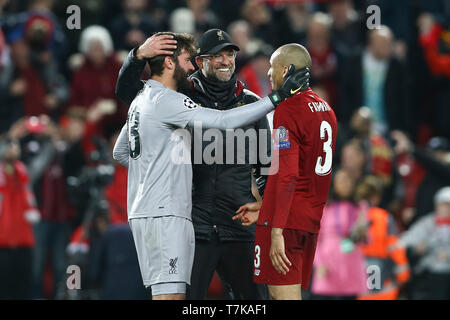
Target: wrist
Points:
x,y
275,98
276,232
138,54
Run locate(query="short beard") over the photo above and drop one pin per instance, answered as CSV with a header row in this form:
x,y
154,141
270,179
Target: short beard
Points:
x,y
181,78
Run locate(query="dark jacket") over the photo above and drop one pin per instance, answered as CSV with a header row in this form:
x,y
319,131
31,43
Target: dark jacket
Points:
x,y
395,93
218,189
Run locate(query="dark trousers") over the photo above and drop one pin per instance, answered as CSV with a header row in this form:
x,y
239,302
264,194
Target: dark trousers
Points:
x,y
233,262
51,238
430,286
15,273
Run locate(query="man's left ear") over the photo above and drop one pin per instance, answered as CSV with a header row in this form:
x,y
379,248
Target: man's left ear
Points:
x,y
170,64
285,70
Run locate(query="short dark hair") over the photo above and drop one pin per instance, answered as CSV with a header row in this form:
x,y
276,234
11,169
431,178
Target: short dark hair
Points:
x,y
184,41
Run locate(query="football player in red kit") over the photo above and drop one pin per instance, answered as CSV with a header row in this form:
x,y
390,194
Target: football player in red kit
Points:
x,y
288,221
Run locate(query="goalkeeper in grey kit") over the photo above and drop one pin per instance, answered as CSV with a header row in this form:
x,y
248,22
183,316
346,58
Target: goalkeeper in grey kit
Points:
x,y
159,188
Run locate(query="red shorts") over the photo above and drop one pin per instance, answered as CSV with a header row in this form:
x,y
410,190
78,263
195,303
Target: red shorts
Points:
x,y
300,247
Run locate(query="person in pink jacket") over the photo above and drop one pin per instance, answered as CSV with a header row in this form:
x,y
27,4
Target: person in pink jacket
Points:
x,y
339,265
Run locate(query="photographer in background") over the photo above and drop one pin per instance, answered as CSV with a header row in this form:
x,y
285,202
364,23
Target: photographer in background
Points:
x,y
51,154
17,213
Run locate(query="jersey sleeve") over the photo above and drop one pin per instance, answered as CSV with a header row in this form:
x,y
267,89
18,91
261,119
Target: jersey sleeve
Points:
x,y
176,109
286,152
121,150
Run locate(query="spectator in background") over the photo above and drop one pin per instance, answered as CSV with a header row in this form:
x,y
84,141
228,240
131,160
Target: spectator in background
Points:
x,y
17,213
259,17
323,58
254,73
115,265
378,80
428,242
354,159
380,248
241,34
347,32
93,84
133,26
378,153
204,17
435,158
30,87
436,48
50,161
42,31
182,20
292,20
339,266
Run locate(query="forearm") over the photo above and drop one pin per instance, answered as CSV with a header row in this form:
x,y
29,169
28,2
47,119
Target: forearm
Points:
x,y
234,118
41,161
121,152
129,79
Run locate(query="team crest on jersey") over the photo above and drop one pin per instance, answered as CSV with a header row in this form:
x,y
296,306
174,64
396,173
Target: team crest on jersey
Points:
x,y
188,103
283,139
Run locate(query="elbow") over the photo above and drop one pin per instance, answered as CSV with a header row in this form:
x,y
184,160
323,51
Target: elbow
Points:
x,y
120,93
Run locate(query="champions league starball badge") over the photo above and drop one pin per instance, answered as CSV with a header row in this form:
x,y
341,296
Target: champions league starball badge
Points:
x,y
188,103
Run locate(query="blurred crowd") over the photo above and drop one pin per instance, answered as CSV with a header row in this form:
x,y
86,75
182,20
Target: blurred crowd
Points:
x,y
386,228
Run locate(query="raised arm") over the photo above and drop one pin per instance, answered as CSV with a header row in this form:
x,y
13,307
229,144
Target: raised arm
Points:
x,y
129,80
242,116
234,118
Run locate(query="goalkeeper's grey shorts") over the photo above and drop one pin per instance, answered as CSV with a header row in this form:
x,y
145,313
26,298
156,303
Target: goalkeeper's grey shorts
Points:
x,y
165,249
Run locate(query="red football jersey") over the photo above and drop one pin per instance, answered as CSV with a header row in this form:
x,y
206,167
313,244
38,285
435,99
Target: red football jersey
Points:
x,y
304,137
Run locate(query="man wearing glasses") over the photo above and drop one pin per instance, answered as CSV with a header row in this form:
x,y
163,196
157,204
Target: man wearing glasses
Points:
x,y
222,244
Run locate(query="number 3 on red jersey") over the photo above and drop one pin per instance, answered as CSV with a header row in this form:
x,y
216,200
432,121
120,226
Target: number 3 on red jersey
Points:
x,y
323,170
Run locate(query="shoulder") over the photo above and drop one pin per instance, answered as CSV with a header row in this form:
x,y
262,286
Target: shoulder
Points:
x,y
250,96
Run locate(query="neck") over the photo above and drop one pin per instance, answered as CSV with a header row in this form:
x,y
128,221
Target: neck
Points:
x,y
166,81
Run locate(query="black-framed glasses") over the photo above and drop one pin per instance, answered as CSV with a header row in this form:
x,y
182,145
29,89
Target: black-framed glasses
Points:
x,y
219,56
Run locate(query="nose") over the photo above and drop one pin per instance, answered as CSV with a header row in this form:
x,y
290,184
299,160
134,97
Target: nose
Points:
x,y
190,66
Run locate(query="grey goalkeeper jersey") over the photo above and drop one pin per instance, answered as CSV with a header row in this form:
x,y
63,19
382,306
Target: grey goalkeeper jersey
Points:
x,y
156,147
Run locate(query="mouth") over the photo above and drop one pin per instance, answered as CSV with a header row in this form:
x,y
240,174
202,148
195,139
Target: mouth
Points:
x,y
224,70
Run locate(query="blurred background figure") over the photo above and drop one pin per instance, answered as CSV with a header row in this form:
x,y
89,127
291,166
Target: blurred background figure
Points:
x,y
381,243
259,17
204,17
339,266
435,160
182,20
31,83
240,33
434,40
17,214
428,244
254,73
378,80
93,83
293,19
133,25
348,29
115,266
324,63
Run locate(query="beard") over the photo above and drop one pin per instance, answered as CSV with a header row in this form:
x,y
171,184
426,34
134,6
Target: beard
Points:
x,y
181,78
